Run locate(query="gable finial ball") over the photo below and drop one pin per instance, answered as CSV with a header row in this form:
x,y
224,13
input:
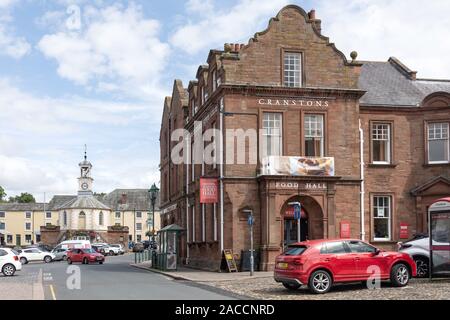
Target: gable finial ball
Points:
x,y
354,55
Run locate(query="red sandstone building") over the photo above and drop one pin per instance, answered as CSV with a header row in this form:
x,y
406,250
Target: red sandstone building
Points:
x,y
386,131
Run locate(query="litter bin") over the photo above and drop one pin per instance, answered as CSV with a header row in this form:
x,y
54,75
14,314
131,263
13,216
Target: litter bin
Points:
x,y
245,260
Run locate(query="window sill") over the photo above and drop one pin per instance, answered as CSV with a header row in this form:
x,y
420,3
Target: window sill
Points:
x,y
382,165
430,165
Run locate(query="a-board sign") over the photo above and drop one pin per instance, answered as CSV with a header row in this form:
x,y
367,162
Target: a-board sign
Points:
x,y
229,258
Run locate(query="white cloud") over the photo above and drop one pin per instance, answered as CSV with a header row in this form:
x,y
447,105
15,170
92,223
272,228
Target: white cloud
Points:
x,y
115,45
41,141
414,31
220,26
10,44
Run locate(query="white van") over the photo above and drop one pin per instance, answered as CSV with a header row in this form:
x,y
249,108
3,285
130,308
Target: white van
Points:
x,y
74,244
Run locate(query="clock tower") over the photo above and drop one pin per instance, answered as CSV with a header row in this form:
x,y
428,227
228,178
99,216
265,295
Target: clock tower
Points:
x,y
85,180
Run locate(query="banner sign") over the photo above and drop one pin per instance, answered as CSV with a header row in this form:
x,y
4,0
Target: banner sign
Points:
x,y
298,166
209,188
345,230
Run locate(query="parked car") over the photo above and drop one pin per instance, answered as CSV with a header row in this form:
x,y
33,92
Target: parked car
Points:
x,y
9,262
60,254
321,263
42,247
99,249
117,248
419,249
85,256
107,249
138,247
35,254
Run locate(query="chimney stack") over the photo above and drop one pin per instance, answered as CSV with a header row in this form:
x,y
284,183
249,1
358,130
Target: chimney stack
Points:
x,y
124,198
317,22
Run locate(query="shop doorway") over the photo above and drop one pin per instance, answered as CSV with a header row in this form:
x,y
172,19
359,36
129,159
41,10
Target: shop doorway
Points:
x,y
311,222
290,230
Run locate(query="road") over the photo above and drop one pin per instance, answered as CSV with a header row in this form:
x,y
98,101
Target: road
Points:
x,y
115,279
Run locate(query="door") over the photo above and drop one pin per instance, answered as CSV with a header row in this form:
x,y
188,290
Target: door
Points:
x,y
290,231
368,263
336,256
18,240
76,255
82,221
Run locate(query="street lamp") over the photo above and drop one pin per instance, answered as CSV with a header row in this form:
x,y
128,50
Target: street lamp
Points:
x,y
153,194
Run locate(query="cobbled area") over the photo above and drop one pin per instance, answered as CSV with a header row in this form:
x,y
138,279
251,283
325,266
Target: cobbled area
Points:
x,y
268,289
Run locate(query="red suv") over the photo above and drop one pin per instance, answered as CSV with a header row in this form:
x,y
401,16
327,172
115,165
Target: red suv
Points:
x,y
84,256
320,263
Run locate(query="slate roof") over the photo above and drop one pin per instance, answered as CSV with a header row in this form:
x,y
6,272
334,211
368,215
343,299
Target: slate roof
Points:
x,y
136,199
58,201
388,84
23,207
84,202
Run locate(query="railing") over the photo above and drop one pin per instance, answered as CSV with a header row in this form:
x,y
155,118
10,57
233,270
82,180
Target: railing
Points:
x,y
143,256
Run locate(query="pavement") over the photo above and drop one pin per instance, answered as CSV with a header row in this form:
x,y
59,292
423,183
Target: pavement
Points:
x,y
200,276
262,286
114,280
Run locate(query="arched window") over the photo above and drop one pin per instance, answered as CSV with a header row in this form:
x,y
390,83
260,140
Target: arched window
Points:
x,y
65,218
82,221
100,219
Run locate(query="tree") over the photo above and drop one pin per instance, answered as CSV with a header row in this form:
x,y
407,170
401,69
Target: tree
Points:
x,y
23,198
2,194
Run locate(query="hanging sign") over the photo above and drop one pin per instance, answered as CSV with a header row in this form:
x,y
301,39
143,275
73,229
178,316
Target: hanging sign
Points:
x,y
209,190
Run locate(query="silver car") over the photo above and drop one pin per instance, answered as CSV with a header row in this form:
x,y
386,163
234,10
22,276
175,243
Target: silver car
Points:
x,y
60,254
419,249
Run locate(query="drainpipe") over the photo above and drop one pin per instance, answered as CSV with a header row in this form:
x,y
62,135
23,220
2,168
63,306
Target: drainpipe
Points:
x,y
188,145
221,110
362,193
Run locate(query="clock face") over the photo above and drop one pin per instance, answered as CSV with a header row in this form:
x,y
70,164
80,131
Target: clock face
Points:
x,y
84,186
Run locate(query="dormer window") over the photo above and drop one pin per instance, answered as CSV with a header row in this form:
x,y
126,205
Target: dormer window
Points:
x,y
215,80
204,95
292,69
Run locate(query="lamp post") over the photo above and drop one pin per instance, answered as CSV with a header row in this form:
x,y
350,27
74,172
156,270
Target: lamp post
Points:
x,y
153,194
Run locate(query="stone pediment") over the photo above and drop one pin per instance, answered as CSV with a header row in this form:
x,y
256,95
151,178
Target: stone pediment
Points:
x,y
437,186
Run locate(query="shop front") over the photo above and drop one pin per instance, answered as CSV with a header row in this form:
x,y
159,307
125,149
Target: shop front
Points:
x,y
279,195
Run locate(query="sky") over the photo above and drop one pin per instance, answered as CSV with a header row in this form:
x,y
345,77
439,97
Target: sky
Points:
x,y
96,72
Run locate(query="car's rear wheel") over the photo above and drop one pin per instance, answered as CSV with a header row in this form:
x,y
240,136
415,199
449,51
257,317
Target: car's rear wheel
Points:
x,y
111,253
85,261
400,275
8,270
47,259
69,261
101,262
291,286
23,260
422,265
320,282
64,258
